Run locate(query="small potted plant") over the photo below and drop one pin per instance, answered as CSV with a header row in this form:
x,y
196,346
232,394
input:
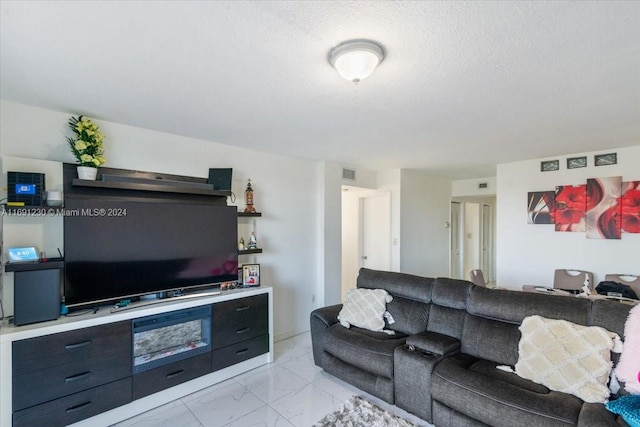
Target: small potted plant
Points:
x,y
86,147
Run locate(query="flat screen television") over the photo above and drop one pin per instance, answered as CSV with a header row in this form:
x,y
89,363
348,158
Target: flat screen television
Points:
x,y
118,249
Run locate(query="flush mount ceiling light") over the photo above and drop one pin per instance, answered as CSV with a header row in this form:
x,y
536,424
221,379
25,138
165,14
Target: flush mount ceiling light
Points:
x,y
356,59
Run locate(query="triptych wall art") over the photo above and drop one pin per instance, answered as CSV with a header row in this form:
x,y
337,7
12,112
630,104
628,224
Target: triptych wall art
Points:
x,y
603,208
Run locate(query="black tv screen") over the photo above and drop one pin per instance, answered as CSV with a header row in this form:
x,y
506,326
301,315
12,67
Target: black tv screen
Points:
x,y
117,249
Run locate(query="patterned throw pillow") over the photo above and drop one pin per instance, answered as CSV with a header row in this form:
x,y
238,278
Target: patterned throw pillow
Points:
x,y
365,308
628,407
566,357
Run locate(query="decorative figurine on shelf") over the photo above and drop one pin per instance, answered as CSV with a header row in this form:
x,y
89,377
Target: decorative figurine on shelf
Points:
x,y
248,197
241,244
253,241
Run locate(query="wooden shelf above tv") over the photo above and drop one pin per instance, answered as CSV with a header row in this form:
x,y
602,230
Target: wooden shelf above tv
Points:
x,y
160,188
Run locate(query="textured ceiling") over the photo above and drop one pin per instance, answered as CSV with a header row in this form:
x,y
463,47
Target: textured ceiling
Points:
x,y
464,85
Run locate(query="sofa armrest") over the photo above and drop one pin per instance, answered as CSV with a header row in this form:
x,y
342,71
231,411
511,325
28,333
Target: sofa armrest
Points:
x,y
435,343
328,315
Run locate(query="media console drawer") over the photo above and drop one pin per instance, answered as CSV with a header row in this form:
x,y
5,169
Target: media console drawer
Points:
x,y
157,379
240,352
239,320
41,386
94,343
69,362
76,407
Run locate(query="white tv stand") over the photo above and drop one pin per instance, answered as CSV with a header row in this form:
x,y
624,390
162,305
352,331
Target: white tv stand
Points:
x,y
224,366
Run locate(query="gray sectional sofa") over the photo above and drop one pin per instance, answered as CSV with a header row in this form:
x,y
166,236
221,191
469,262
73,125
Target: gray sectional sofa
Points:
x,y
449,337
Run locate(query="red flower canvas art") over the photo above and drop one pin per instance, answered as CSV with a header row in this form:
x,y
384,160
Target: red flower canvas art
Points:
x,y
603,209
630,207
540,207
569,213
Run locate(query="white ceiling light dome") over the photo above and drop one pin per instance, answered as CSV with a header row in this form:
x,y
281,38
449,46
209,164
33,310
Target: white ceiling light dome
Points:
x,y
356,59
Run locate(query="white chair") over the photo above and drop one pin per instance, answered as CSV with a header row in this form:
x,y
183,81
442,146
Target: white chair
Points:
x,y
478,278
573,280
631,280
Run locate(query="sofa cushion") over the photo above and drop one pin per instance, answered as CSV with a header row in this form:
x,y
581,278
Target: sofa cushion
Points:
x,y
397,284
365,308
475,387
409,316
367,350
434,343
566,357
446,320
513,307
451,293
491,340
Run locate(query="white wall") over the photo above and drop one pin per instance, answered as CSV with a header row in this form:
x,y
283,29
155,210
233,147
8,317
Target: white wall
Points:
x,y
528,254
469,187
285,192
424,211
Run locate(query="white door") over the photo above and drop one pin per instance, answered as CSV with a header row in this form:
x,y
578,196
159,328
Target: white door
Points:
x,y
376,231
456,254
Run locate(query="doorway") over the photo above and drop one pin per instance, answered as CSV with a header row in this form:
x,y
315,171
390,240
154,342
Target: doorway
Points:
x,y
366,233
473,237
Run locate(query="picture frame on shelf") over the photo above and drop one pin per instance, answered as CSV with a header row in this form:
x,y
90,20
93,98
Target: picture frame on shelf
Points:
x,y
250,275
549,165
577,162
605,159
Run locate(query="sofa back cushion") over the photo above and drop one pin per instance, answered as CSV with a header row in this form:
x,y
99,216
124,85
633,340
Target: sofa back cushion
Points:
x,y
490,339
411,297
491,325
514,306
448,306
410,317
610,315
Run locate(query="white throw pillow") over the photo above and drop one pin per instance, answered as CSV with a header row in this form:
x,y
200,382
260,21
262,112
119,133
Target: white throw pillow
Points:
x,y
365,308
566,357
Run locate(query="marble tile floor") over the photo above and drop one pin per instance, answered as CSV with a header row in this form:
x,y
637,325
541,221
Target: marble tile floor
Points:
x,y
289,392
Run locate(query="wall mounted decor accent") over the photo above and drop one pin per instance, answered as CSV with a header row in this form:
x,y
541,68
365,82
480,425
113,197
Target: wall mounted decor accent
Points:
x,y
541,206
630,207
603,209
577,162
570,207
549,165
605,159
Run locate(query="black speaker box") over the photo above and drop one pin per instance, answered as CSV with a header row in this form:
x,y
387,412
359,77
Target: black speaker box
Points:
x,y
26,187
220,178
36,296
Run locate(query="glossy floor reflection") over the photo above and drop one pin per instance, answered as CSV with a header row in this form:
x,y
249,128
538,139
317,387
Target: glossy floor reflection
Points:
x,y
292,391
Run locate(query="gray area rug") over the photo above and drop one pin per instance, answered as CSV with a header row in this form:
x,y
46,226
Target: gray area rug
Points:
x,y
357,412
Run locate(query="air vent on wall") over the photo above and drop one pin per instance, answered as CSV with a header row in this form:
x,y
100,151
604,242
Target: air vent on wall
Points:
x,y
483,185
348,174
